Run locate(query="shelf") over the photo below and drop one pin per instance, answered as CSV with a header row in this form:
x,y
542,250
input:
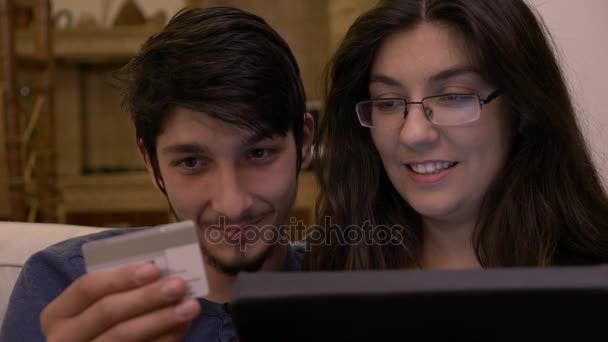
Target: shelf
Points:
x,y
90,46
116,192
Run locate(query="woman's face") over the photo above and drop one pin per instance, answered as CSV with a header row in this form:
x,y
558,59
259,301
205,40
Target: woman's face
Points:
x,y
443,172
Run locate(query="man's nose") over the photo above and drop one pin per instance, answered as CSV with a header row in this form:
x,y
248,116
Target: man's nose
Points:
x,y
230,197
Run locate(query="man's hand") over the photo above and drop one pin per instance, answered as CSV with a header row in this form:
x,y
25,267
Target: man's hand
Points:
x,y
127,304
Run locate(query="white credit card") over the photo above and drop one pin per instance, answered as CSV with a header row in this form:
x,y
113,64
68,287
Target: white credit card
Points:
x,y
174,248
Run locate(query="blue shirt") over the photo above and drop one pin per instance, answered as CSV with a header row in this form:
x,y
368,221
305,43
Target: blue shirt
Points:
x,y
47,273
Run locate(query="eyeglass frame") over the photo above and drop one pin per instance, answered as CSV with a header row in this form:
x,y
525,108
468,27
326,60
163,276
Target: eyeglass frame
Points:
x,y
482,102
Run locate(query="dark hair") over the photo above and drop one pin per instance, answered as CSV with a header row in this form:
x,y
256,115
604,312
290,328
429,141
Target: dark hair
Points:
x,y
225,62
547,207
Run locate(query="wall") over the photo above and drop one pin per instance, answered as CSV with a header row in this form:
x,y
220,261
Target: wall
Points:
x,y
579,29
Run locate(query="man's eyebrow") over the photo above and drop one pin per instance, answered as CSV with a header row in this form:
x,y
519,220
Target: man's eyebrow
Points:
x,y
184,148
254,139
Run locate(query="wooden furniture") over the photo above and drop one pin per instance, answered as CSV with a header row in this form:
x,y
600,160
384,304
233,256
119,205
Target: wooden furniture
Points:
x,y
101,178
29,132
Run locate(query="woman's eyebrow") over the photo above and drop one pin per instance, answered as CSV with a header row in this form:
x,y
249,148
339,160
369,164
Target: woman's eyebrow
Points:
x,y
386,80
442,76
452,72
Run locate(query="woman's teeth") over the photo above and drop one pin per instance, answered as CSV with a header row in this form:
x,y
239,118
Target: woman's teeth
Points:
x,y
430,168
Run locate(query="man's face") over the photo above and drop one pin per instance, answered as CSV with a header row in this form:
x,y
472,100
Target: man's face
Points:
x,y
237,186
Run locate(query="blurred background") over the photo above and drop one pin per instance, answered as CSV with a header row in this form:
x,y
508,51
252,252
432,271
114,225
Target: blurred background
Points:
x,y
67,149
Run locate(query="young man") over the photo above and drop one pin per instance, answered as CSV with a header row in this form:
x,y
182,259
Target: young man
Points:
x,y
219,111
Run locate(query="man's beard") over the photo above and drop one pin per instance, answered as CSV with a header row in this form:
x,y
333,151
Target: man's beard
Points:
x,y
253,265
234,268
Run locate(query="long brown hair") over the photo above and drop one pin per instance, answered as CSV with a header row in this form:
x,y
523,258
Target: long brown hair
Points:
x,y
547,207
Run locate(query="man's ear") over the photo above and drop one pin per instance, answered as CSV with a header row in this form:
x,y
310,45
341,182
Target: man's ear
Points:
x,y
143,151
307,136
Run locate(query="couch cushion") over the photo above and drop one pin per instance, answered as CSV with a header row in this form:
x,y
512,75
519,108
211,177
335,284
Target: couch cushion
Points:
x,y
19,240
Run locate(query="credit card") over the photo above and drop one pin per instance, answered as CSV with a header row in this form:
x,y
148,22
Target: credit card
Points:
x,y
174,248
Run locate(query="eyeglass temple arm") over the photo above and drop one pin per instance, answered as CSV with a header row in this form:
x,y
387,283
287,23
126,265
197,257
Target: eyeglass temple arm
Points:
x,y
490,97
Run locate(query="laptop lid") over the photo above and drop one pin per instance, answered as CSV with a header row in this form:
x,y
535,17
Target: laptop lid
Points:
x,y
510,304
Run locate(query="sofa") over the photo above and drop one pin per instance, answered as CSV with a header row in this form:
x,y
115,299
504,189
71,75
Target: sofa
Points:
x,y
19,240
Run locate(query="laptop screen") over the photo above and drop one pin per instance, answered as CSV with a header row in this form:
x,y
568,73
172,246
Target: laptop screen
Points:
x,y
563,303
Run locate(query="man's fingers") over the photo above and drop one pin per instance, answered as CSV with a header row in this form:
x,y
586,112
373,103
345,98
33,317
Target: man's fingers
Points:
x,y
91,287
120,307
167,324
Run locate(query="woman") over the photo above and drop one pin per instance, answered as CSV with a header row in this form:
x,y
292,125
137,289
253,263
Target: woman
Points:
x,y
449,121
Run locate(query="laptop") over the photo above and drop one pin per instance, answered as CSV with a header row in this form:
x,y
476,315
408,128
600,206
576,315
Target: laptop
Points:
x,y
501,304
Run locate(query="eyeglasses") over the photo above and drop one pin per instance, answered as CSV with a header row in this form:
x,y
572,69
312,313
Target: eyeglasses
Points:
x,y
445,109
